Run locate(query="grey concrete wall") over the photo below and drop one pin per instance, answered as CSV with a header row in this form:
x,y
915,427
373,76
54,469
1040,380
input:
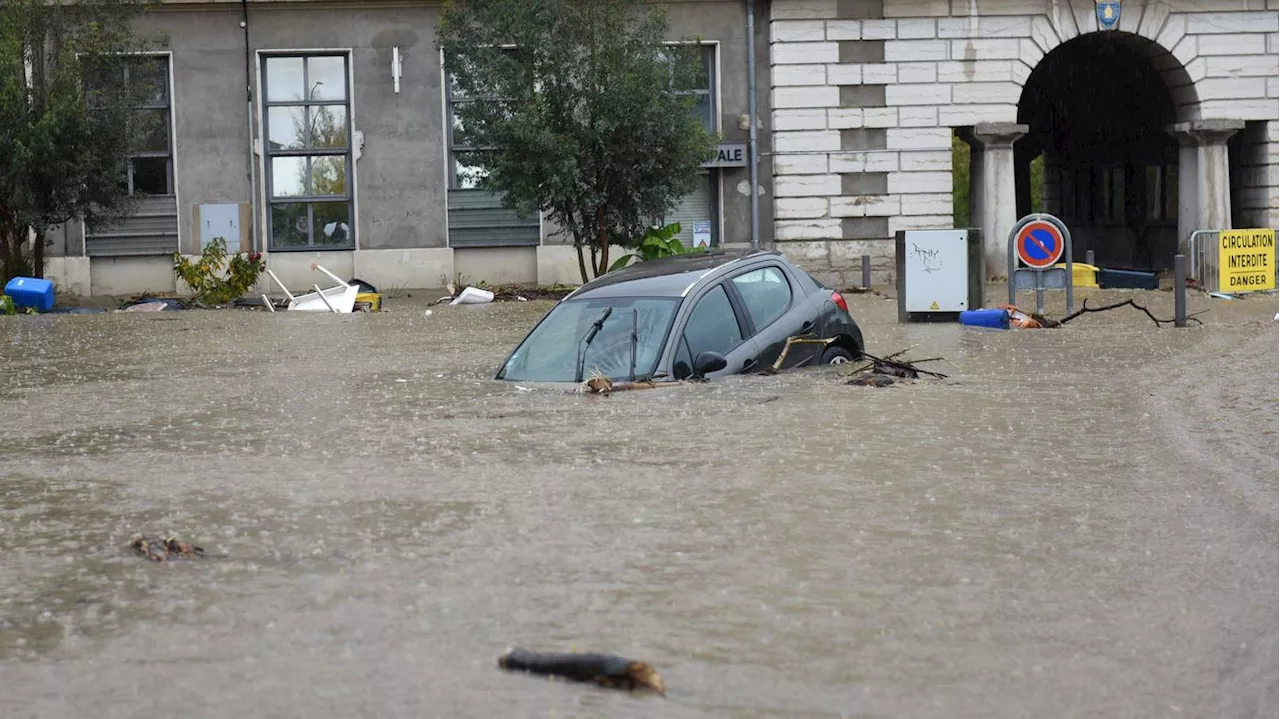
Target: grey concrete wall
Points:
x,y
211,161
725,21
400,171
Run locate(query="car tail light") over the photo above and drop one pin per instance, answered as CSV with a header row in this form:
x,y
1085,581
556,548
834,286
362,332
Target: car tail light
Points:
x,y
838,298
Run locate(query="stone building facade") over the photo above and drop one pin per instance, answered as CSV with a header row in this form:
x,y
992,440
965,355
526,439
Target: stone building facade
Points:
x,y
867,95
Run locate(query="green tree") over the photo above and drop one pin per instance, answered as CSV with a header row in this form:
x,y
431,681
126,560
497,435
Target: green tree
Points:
x,y
575,112
67,119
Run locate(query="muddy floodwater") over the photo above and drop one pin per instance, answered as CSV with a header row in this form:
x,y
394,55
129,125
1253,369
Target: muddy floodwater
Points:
x,y
1077,522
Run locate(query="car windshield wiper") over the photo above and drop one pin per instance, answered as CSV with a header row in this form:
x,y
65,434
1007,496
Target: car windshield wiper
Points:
x,y
586,342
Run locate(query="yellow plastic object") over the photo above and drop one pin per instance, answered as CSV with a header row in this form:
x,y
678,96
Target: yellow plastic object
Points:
x,y
374,300
1082,275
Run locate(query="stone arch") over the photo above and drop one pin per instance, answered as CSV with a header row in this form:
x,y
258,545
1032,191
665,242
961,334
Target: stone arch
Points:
x,y
1098,107
1172,70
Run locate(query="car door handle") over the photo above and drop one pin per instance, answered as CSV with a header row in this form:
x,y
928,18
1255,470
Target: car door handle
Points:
x,y
749,363
806,327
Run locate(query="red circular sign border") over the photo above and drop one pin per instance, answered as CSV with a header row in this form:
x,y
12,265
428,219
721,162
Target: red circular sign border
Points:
x,y
1036,224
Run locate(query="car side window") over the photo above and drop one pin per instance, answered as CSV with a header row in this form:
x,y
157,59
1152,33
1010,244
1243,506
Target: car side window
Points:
x,y
712,326
766,294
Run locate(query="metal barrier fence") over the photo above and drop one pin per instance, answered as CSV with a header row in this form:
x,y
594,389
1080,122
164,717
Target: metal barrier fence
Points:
x,y
1201,272
1202,254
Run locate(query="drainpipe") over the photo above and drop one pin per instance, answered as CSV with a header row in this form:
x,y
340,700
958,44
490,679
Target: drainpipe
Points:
x,y
753,141
248,88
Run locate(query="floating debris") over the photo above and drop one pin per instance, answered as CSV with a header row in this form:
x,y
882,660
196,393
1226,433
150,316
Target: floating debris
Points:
x,y
158,550
597,383
871,380
604,669
885,371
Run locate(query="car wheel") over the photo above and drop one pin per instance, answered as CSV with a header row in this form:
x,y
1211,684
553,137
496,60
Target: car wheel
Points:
x,y
836,355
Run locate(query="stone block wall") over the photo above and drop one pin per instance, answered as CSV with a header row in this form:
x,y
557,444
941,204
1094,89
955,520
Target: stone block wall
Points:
x,y
1258,181
866,94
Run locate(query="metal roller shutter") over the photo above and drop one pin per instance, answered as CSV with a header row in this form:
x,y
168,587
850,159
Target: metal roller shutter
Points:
x,y
695,207
151,230
478,219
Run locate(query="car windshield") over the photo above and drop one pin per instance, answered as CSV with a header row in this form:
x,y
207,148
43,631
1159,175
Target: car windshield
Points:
x,y
550,352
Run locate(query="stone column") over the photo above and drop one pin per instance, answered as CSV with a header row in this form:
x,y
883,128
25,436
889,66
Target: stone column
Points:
x,y
1204,175
994,196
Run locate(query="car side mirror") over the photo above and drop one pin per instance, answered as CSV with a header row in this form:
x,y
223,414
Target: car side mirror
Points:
x,y
708,362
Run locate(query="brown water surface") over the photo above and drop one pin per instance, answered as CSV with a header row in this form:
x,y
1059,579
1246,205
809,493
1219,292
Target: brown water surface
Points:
x,y
1077,522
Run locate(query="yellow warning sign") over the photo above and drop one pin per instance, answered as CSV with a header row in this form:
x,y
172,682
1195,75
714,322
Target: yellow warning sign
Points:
x,y
1246,260
934,306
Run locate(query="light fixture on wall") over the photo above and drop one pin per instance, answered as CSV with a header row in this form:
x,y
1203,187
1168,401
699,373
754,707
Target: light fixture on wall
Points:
x,y
395,68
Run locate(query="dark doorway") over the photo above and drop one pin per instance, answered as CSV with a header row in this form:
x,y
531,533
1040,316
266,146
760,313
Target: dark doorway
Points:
x,y
1097,107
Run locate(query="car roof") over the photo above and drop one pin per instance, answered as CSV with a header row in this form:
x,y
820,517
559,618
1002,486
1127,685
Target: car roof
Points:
x,y
665,277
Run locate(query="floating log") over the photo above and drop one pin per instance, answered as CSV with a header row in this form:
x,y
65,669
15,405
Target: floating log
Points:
x,y
604,669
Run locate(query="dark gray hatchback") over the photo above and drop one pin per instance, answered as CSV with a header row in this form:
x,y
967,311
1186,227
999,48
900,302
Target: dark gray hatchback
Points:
x,y
702,314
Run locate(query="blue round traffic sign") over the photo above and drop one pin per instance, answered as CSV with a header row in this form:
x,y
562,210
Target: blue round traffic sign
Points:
x,y
1039,244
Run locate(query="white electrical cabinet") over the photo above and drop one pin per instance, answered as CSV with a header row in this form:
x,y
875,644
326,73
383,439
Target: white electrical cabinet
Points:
x,y
935,265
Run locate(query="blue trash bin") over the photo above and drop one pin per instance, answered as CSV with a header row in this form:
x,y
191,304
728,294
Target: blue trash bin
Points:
x,y
30,292
986,318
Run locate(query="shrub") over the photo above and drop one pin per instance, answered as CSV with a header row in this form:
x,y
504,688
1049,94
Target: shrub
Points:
x,y
214,285
656,242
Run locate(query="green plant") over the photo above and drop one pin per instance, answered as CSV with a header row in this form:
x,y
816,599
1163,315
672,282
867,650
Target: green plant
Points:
x,y
460,281
206,277
6,306
656,242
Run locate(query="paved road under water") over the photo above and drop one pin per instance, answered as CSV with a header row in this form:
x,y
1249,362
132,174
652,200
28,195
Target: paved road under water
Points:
x,y
1077,522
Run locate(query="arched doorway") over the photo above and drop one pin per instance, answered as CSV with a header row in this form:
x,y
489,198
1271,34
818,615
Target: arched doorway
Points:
x,y
1098,107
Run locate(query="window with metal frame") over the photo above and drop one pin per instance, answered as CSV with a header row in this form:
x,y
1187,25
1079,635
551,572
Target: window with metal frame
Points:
x,y
477,217
696,79
307,140
151,166
461,175
152,227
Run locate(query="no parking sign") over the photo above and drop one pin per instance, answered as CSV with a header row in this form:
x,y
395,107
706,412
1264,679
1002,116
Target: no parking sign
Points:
x,y
1038,242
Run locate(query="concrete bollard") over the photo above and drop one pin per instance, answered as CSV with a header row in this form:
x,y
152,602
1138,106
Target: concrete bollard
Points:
x,y
866,271
1179,290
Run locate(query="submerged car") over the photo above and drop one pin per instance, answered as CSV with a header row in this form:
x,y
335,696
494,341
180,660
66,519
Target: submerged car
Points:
x,y
703,314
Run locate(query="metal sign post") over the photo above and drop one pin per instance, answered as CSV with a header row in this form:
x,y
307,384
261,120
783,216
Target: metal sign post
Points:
x,y
1038,241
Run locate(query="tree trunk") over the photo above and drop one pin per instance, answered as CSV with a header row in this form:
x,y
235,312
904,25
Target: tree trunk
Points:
x,y
582,263
37,255
604,242
10,247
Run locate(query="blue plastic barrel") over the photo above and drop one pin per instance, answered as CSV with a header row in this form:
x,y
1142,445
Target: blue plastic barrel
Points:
x,y
986,318
30,292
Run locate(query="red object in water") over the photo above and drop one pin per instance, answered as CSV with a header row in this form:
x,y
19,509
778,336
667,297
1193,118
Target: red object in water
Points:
x,y
838,298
